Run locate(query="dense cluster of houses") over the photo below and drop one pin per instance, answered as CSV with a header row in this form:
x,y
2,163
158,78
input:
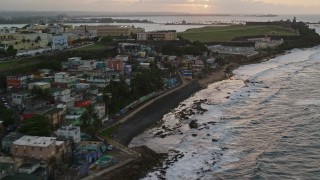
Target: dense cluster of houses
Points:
x,y
70,91
78,85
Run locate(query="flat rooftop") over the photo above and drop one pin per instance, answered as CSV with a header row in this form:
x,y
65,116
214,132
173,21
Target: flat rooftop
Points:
x,y
69,128
36,141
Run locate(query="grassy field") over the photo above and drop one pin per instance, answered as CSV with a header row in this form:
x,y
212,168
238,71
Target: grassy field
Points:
x,y
17,62
227,33
92,47
107,133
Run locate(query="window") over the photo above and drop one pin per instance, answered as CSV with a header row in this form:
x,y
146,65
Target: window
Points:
x,y
40,148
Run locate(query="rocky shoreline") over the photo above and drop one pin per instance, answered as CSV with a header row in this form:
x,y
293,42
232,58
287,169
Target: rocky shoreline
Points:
x,y
138,168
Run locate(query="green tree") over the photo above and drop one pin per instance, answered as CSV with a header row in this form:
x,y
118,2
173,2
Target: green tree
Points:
x,y
120,96
106,39
6,115
38,125
90,121
41,94
37,40
147,81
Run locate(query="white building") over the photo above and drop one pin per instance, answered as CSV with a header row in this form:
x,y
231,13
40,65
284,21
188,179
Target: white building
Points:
x,y
61,94
70,132
63,77
19,98
271,44
99,81
234,50
42,85
100,110
59,41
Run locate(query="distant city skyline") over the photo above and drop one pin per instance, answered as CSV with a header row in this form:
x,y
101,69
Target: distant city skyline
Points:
x,y
186,6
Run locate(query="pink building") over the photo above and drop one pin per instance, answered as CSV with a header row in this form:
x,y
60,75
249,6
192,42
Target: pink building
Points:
x,y
115,64
41,148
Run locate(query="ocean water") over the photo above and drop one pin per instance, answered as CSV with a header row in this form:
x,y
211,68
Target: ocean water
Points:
x,y
231,18
262,123
159,21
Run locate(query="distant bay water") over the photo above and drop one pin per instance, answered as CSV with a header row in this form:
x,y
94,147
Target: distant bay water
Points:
x,y
159,21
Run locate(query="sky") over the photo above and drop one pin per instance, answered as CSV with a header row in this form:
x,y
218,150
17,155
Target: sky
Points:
x,y
187,6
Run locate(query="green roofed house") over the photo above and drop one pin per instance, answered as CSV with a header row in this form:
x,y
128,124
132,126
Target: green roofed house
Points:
x,y
105,161
73,120
101,64
73,116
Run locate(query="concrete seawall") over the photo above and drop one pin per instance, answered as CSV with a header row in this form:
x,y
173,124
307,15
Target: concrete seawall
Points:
x,y
153,113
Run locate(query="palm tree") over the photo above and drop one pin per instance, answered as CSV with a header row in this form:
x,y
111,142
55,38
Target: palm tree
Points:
x,y
37,40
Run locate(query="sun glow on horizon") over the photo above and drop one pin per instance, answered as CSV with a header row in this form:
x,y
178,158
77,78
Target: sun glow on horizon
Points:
x,y
199,5
192,6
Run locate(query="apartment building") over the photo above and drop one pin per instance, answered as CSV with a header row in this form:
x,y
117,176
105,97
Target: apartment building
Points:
x,y
41,148
25,41
70,132
59,41
65,78
157,36
110,30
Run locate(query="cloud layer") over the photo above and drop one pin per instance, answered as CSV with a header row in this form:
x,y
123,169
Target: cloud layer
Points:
x,y
191,6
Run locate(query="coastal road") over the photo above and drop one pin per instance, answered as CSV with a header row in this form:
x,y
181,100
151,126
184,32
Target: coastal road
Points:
x,y
153,111
3,60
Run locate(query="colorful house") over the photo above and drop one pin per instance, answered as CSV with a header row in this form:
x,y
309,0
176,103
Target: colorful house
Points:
x,y
83,103
16,82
